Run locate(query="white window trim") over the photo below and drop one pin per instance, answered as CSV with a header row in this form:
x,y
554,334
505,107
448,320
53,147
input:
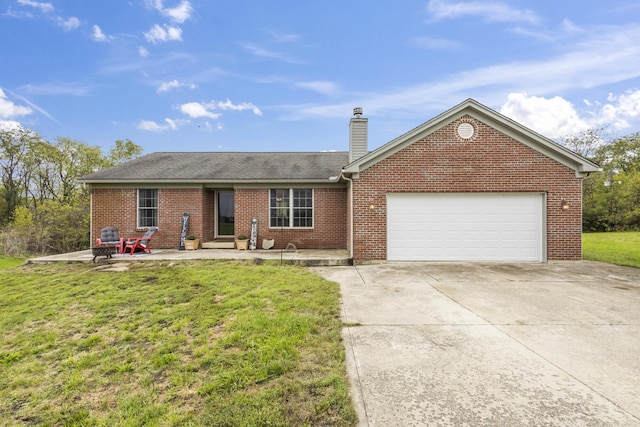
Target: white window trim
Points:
x,y
290,226
157,208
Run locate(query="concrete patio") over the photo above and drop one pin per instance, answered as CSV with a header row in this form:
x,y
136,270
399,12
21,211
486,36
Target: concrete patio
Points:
x,y
305,257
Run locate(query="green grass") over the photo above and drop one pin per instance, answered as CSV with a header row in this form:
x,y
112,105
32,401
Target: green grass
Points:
x,y
202,343
621,248
10,262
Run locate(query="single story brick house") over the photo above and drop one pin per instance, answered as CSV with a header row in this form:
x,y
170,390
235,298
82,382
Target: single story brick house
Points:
x,y
467,185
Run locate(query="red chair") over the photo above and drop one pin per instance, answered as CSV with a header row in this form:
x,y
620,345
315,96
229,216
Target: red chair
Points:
x,y
140,242
109,236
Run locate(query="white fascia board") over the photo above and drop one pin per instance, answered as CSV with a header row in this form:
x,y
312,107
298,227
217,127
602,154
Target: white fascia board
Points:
x,y
492,118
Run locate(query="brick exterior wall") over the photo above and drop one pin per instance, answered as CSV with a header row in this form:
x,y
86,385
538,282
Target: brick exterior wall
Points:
x,y
441,162
117,207
329,217
489,162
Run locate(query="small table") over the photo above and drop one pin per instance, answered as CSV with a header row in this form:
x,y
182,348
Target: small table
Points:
x,y
103,250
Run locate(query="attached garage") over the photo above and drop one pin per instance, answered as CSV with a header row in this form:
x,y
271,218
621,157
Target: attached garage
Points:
x,y
468,185
466,227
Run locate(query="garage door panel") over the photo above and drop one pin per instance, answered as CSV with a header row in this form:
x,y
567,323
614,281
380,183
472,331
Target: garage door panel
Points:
x,y
465,226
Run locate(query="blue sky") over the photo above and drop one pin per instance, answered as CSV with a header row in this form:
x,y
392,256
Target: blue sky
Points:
x,y
200,75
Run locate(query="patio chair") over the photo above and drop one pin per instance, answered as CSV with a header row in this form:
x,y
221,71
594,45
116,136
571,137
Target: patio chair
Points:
x,y
110,236
140,242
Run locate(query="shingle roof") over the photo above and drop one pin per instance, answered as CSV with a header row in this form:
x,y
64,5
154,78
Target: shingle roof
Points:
x,y
224,166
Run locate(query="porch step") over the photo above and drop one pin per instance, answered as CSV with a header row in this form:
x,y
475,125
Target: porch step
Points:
x,y
218,245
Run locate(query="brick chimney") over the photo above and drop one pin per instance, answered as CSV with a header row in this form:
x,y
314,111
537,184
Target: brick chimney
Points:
x,y
358,139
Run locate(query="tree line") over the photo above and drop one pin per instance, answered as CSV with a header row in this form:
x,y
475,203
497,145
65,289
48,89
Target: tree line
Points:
x,y
43,208
610,198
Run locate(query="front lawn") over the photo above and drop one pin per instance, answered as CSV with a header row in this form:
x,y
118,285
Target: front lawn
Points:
x,y
622,248
9,262
202,343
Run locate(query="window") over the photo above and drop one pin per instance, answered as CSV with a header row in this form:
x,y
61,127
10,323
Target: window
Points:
x,y
302,207
291,207
279,208
147,208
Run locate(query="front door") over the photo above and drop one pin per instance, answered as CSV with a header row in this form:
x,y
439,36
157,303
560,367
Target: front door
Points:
x,y
224,203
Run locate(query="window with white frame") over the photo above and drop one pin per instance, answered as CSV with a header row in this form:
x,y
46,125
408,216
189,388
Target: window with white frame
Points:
x,y
147,208
291,207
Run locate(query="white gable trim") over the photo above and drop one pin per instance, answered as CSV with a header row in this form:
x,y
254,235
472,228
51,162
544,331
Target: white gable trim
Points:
x,y
486,115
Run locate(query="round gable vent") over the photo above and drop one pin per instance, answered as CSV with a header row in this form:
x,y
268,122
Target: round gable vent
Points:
x,y
466,130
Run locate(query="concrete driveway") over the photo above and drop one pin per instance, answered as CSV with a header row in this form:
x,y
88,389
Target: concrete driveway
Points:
x,y
492,344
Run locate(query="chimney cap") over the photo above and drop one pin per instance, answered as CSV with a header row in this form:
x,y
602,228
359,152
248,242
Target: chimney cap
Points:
x,y
357,111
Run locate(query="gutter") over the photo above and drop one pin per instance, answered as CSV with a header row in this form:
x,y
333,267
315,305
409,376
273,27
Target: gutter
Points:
x,y
283,181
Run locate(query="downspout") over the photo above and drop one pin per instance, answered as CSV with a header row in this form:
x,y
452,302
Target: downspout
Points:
x,y
91,218
342,175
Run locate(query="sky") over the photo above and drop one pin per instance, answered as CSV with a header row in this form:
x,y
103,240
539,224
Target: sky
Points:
x,y
214,75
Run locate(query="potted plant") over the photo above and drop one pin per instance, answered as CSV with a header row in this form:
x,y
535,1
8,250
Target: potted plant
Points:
x,y
191,243
242,242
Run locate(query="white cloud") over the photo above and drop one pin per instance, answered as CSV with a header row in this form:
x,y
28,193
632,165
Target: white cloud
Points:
x,y
178,14
620,108
196,110
173,124
208,127
143,52
163,34
69,24
265,53
556,117
489,10
151,126
9,110
320,86
566,30
604,56
166,87
553,118
10,125
170,124
228,105
99,36
174,84
44,7
568,27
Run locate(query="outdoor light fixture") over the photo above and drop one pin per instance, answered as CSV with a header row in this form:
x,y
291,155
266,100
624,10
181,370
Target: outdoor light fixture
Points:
x,y
371,207
564,204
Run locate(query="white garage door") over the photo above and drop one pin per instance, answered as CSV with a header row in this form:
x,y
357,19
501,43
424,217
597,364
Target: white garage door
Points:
x,y
465,227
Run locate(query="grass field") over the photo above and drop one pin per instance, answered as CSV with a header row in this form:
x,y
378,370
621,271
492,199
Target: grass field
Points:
x,y
195,344
10,262
622,248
